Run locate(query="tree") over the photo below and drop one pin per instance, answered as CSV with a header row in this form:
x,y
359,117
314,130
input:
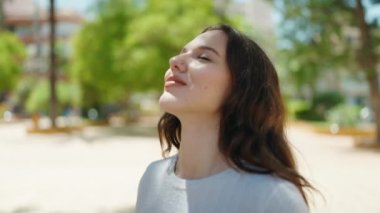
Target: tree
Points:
x,y
38,99
2,16
159,32
94,56
12,55
311,41
128,45
368,59
330,35
53,65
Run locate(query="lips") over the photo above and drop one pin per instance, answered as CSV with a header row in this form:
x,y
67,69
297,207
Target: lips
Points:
x,y
174,81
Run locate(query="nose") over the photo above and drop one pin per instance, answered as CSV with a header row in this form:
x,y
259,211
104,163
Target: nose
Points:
x,y
177,63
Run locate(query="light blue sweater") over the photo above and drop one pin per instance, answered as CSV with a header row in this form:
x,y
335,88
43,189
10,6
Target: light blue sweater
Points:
x,y
161,191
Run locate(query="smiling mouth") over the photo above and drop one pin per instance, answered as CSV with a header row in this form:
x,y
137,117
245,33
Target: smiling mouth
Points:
x,y
173,81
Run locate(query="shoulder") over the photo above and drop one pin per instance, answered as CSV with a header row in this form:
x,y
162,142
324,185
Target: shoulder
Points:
x,y
152,183
276,194
154,175
285,197
159,167
165,163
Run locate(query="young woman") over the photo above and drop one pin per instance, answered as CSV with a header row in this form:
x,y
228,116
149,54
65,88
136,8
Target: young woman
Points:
x,y
225,115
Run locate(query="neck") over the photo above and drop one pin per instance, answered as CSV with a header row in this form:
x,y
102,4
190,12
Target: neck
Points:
x,y
199,155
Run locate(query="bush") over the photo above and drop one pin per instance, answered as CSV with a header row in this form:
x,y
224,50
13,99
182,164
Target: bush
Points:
x,y
320,105
295,106
12,55
308,115
38,100
322,102
344,115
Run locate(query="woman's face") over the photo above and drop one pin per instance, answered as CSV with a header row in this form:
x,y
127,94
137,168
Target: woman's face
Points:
x,y
198,78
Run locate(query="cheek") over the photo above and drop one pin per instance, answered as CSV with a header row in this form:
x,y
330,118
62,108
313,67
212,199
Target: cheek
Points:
x,y
212,80
166,74
224,86
217,87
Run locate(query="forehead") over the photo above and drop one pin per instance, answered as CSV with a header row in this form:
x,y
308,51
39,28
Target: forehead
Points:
x,y
216,39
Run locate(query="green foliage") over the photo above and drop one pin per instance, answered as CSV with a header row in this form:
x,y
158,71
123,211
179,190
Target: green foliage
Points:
x,y
344,115
320,104
128,45
327,100
317,36
160,32
320,36
93,65
38,100
12,55
21,93
295,106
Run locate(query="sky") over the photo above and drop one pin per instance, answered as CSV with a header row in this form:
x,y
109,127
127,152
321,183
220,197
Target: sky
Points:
x,y
82,6
78,5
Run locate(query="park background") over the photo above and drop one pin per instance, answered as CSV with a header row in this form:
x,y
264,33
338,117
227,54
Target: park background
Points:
x,y
77,124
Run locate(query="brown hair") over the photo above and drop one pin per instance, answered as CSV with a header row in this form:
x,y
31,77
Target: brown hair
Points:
x,y
251,135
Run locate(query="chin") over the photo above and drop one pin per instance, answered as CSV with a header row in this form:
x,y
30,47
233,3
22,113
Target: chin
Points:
x,y
172,104
168,102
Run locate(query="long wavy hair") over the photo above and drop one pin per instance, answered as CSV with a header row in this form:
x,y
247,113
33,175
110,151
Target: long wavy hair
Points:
x,y
252,126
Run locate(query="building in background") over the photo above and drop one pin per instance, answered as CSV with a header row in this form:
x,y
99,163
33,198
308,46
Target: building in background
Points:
x,y
257,17
259,22
30,23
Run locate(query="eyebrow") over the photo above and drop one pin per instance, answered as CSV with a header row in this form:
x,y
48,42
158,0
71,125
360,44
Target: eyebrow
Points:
x,y
203,47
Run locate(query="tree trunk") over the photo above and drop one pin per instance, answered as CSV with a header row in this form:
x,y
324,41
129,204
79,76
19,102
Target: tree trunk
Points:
x,y
368,60
53,96
375,100
2,15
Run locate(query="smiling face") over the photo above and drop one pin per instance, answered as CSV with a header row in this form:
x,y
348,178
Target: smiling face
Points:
x,y
198,78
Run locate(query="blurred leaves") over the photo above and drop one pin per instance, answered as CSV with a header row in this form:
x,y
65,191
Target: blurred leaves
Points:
x,y
38,100
93,64
319,36
344,115
12,55
161,31
128,45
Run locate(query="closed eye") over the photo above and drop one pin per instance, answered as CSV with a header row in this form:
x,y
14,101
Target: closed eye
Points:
x,y
203,57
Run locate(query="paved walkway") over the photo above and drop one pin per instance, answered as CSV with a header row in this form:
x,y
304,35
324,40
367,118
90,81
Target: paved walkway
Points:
x,y
348,177
97,171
